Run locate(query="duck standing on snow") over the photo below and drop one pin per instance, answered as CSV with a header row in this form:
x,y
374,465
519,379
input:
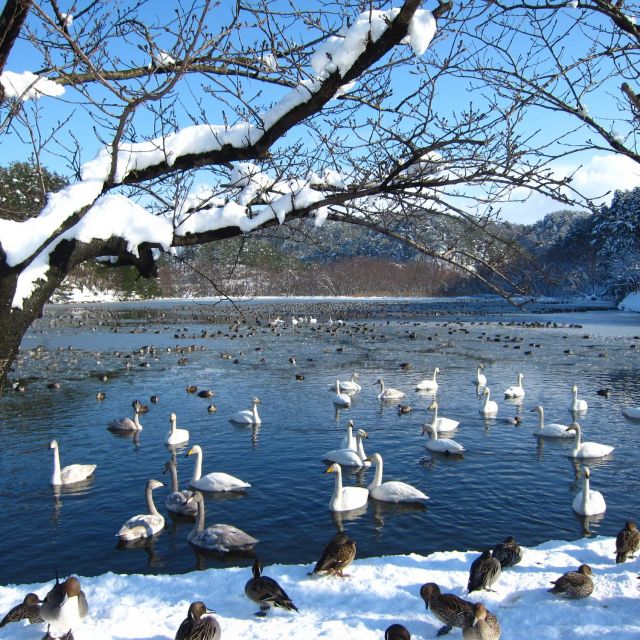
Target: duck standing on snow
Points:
x,y
508,553
199,624
627,542
574,584
28,609
485,570
481,624
266,592
337,555
65,605
447,607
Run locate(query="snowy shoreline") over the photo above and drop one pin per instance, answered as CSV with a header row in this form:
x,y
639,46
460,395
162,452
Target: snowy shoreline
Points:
x,y
379,592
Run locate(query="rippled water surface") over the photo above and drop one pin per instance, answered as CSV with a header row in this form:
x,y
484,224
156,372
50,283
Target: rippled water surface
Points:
x,y
508,483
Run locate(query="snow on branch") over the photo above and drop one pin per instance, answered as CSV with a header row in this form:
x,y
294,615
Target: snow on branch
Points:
x,y
27,85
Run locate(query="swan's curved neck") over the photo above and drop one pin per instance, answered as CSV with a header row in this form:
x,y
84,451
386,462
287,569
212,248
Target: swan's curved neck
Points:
x,y
56,478
377,478
337,489
199,525
136,419
256,417
434,375
174,477
150,504
197,469
337,387
578,442
487,397
541,418
173,425
585,494
434,420
434,431
360,449
349,436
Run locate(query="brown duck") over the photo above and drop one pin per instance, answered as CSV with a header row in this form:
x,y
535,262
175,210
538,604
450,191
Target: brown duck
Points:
x,y
508,553
484,571
199,624
574,584
627,542
337,555
397,632
447,607
28,609
266,592
481,624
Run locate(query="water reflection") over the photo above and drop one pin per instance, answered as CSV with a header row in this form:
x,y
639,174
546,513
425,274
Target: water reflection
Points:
x,y
340,517
383,509
148,545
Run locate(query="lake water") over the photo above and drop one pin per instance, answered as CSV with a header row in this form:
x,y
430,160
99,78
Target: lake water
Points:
x,y
507,483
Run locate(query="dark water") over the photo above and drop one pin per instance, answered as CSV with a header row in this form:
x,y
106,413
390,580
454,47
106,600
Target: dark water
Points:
x,y
508,482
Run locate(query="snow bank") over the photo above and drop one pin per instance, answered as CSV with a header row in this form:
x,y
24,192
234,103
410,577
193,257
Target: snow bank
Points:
x,y
631,303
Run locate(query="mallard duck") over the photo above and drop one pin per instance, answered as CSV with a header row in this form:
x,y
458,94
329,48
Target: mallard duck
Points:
x,y
484,571
266,592
71,473
65,604
177,500
574,584
28,609
481,624
199,624
627,542
397,632
144,525
337,555
508,553
447,607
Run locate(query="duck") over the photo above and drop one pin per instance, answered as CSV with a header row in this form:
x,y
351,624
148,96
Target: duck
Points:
x,y
627,542
517,391
200,624
351,386
403,409
345,498
337,555
266,592
443,425
65,604
447,607
489,408
574,584
587,449
144,525
248,416
388,393
633,413
127,425
397,632
217,537
176,435
65,636
481,624
177,500
442,445
508,553
28,609
342,400
588,502
484,571
577,405
214,481
428,384
71,473
348,457
481,379
551,430
392,490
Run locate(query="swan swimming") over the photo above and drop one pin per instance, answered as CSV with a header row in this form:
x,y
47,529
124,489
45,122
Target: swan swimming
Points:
x,y
481,379
392,490
217,537
71,473
349,441
442,424
247,416
551,430
176,435
342,400
214,481
587,449
428,384
348,457
128,425
442,445
633,413
388,393
588,502
517,391
489,407
176,501
144,525
345,498
350,386
577,404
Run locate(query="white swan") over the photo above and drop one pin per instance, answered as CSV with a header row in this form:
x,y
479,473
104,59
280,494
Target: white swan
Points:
x,y
247,416
350,386
588,502
481,379
348,457
633,413
587,449
489,407
577,404
217,537
428,384
443,445
176,501
551,430
349,441
392,490
443,425
388,393
517,391
345,498
71,473
127,425
214,481
341,399
176,435
144,525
